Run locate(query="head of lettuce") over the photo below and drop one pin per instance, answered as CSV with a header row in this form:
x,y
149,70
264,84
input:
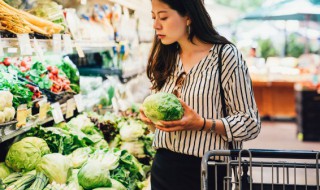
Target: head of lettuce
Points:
x,y
162,106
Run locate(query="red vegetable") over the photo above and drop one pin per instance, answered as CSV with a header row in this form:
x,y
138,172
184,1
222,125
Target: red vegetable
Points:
x,y
7,61
54,71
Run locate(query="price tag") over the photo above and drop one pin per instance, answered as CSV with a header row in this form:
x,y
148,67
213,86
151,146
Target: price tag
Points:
x,y
67,43
79,102
43,110
22,114
79,50
24,44
57,113
71,106
12,50
1,48
56,43
38,50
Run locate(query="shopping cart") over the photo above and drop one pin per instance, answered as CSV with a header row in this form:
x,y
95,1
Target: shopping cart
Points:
x,y
268,169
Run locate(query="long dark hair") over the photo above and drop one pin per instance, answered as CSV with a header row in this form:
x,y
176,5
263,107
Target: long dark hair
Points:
x,y
162,59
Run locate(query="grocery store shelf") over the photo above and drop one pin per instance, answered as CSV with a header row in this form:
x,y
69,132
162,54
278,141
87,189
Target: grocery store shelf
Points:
x,y
10,131
47,44
87,45
103,72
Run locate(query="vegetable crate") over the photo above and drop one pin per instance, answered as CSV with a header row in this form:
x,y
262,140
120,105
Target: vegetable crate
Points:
x,y
264,169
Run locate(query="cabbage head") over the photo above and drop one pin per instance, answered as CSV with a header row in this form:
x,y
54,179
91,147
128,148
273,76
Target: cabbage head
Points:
x,y
73,183
93,175
4,171
136,148
80,156
162,106
56,167
131,132
116,185
26,154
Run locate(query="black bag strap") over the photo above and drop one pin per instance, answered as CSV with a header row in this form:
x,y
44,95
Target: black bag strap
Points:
x,y
224,107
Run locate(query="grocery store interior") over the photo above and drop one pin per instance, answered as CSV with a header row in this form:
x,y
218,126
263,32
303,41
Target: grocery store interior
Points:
x,y
73,77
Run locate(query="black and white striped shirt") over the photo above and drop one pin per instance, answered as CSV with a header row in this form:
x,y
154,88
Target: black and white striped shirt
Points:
x,y
201,92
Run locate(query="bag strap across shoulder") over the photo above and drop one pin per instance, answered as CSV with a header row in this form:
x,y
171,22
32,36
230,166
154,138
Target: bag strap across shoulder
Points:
x,y
224,107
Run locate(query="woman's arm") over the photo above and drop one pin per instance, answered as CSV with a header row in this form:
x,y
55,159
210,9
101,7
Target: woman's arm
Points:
x,y
243,121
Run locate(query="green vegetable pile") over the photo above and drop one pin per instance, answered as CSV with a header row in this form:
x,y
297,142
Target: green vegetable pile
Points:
x,y
21,94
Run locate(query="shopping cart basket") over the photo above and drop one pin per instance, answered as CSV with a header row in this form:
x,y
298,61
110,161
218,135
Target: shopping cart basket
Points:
x,y
263,169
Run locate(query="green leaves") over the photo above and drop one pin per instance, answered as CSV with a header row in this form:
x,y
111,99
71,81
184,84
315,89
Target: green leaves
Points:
x,y
38,74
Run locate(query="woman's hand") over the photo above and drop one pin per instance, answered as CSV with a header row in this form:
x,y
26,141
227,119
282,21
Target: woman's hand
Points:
x,y
147,121
191,120
144,118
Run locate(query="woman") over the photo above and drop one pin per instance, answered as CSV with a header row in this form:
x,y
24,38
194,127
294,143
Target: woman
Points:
x,y
184,61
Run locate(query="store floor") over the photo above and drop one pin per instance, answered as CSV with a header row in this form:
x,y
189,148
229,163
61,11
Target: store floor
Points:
x,y
282,135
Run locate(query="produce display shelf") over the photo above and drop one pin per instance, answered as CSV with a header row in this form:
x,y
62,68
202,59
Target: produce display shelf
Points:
x,y
47,44
103,72
10,131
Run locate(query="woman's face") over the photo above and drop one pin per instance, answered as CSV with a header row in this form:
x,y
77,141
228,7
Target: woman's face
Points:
x,y
170,27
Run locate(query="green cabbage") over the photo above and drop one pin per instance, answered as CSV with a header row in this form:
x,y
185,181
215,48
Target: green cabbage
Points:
x,y
56,167
4,171
162,106
73,183
26,154
136,148
131,132
80,156
116,185
93,175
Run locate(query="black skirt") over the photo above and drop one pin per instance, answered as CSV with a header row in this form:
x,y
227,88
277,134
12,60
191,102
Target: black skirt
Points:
x,y
175,171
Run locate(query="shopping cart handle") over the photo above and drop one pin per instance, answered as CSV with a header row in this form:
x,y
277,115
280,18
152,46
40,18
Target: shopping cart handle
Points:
x,y
273,153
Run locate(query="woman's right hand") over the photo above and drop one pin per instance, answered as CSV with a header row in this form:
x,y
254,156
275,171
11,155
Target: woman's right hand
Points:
x,y
146,120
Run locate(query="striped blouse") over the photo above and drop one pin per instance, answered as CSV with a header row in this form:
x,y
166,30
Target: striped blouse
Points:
x,y
201,91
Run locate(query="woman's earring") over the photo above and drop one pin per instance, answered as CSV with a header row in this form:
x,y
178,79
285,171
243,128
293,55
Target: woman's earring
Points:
x,y
188,29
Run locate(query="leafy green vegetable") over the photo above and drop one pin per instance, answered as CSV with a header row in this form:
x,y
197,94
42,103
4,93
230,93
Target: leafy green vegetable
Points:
x,y
26,154
80,156
129,171
116,185
162,106
4,171
60,140
56,167
38,75
73,182
71,71
93,175
132,130
21,94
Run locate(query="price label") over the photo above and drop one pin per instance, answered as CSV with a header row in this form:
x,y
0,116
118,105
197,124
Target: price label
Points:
x,y
43,110
38,50
57,113
12,50
79,50
67,43
22,114
56,43
71,106
24,44
79,102
1,48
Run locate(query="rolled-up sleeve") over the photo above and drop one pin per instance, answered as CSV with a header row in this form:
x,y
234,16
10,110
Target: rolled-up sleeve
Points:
x,y
243,121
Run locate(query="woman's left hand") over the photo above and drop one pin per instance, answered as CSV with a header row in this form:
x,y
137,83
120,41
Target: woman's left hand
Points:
x,y
191,120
